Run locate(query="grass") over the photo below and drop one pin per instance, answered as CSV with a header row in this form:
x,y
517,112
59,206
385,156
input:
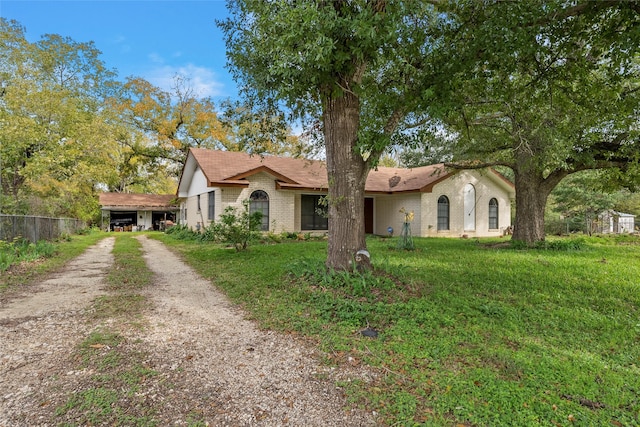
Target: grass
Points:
x,y
470,332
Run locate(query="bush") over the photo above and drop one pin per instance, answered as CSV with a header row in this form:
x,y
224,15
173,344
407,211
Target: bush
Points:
x,y
182,232
23,250
237,229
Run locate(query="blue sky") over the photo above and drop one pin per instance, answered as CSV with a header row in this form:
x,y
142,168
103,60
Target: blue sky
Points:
x,y
150,39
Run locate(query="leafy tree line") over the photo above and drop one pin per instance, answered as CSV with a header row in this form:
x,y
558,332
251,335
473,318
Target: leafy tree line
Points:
x,y
70,128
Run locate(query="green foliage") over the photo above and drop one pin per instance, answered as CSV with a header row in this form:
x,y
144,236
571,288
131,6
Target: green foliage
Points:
x,y
238,228
471,333
553,244
235,227
182,232
57,138
22,250
580,198
522,108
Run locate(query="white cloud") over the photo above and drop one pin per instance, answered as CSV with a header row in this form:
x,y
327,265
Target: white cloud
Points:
x,y
121,42
155,58
202,80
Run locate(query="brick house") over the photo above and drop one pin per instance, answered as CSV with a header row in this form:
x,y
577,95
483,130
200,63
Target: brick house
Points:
x,y
445,202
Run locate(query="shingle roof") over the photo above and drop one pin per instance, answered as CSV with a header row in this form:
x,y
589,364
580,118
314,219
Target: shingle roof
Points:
x,y
137,200
231,167
227,168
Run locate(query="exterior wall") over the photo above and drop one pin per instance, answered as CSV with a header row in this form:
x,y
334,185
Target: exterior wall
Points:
x,y
615,222
197,186
282,204
144,220
387,213
485,189
285,205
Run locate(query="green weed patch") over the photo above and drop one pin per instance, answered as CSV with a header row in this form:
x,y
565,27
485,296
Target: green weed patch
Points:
x,y
22,262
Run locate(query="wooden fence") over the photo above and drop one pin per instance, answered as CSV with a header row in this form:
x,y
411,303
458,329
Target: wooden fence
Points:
x,y
34,228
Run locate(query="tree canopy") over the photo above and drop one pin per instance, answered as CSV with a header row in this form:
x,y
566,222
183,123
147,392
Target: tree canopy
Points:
x,y
554,90
364,69
70,128
56,140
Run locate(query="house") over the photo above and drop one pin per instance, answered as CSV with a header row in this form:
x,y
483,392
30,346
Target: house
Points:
x,y
616,222
128,212
445,202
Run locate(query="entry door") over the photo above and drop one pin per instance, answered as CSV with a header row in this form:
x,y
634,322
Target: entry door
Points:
x,y
368,215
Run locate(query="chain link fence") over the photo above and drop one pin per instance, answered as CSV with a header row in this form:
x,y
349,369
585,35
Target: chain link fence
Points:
x,y
34,228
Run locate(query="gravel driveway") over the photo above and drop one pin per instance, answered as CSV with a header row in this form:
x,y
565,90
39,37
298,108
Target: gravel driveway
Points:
x,y
207,358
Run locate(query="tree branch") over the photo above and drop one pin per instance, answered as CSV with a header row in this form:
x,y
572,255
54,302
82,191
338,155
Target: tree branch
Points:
x,y
476,164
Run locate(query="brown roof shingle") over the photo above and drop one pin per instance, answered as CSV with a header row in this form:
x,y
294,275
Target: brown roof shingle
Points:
x,y
227,168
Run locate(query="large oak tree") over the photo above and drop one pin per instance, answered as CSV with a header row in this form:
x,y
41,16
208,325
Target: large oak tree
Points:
x,y
555,90
357,66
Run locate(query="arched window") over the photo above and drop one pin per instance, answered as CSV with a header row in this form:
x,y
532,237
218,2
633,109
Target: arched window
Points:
x,y
493,214
443,213
469,207
259,202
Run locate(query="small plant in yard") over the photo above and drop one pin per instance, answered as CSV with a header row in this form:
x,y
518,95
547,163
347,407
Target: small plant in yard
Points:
x,y
238,228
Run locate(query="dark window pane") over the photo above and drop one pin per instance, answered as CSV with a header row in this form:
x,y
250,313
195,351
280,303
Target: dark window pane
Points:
x,y
313,215
259,202
493,214
443,213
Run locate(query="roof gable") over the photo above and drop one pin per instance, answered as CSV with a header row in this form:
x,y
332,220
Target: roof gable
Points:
x,y
261,169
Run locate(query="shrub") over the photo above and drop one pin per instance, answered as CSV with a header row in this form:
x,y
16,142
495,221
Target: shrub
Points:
x,y
238,228
182,232
23,250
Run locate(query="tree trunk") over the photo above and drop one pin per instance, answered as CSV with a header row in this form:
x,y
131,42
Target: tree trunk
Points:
x,y
532,192
347,174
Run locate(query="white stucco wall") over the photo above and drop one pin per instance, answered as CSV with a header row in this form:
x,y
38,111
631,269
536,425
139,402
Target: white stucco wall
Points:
x,y
387,213
486,187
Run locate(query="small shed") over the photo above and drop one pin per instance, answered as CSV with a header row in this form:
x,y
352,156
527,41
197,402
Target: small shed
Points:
x,y
613,222
137,212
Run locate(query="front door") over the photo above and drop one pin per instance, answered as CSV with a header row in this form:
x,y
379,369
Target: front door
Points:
x,y
368,215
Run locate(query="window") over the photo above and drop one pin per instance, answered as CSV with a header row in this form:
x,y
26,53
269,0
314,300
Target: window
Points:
x,y
259,202
469,207
313,215
443,213
199,210
493,214
212,205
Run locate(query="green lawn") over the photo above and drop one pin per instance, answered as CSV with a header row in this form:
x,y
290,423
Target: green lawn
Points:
x,y
469,333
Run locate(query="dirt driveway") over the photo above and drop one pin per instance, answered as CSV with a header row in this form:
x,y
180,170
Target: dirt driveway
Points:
x,y
209,363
